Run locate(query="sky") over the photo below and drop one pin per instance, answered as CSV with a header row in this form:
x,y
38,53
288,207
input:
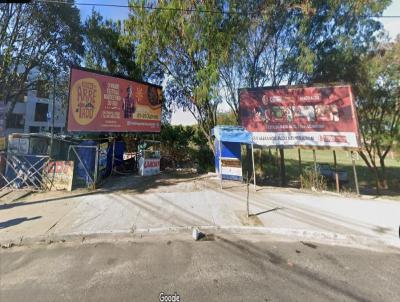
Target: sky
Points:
x,y
392,25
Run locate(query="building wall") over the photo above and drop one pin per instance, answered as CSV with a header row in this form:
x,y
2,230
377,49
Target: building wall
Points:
x,y
28,109
31,108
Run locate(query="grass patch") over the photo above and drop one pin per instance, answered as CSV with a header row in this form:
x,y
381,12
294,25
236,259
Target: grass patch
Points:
x,y
267,168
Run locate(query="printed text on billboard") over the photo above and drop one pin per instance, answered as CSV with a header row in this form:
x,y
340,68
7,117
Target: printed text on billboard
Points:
x,y
301,116
102,103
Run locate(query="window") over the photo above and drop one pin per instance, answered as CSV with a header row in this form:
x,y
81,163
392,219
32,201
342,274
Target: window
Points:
x,y
41,112
42,89
34,129
15,121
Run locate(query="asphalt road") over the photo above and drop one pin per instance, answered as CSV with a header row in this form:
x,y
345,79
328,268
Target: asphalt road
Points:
x,y
224,268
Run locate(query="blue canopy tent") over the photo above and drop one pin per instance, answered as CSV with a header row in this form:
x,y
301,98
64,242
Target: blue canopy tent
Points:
x,y
228,140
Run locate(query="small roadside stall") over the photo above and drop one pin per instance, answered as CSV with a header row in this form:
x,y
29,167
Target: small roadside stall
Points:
x,y
228,155
118,113
149,158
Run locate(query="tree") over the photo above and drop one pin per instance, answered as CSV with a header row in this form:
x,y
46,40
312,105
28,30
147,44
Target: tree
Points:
x,y
38,36
107,47
298,42
264,51
189,40
175,142
226,118
378,100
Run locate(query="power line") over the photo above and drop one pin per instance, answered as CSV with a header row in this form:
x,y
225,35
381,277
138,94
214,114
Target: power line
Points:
x,y
149,7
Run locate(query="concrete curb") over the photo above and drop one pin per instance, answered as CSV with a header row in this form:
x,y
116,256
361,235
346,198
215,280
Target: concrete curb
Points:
x,y
279,234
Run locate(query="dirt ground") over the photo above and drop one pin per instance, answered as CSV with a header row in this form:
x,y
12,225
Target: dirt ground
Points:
x,y
167,182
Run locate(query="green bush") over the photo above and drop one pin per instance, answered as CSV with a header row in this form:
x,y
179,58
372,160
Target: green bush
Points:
x,y
186,146
310,179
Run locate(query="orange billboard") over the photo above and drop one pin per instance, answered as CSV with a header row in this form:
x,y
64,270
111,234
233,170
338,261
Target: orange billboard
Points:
x,y
102,103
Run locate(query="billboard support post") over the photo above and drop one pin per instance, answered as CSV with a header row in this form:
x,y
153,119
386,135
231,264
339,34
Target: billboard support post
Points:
x,y
282,166
220,164
113,157
247,199
300,172
299,152
52,116
315,167
336,172
270,161
355,172
96,166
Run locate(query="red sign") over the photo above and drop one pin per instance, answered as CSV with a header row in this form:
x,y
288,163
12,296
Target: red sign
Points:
x,y
300,116
102,103
149,166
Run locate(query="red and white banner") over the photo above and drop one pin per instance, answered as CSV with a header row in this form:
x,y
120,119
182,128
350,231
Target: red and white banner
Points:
x,y
301,116
149,166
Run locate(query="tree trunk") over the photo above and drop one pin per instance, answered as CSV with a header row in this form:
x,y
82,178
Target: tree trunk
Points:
x,y
383,178
372,167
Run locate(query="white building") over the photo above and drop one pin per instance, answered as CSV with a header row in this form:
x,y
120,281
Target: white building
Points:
x,y
32,112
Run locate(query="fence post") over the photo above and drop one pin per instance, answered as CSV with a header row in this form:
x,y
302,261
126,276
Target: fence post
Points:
x,y
355,173
336,172
113,158
96,166
315,168
254,169
282,167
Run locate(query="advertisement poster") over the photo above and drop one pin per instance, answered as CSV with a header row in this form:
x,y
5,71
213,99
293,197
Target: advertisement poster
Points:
x,y
231,169
300,116
149,166
102,103
103,148
59,175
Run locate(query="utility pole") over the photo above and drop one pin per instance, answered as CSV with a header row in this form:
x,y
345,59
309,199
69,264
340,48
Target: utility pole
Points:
x,y
52,115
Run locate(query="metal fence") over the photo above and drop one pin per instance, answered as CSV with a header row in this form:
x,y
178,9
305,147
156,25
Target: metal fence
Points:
x,y
24,172
85,170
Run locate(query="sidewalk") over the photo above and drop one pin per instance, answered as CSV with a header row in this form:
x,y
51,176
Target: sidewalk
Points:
x,y
285,212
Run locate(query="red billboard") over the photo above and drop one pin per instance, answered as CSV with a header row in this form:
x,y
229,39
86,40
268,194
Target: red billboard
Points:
x,y
300,116
103,103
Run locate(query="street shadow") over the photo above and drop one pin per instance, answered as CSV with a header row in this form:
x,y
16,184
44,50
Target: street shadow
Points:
x,y
16,221
267,211
22,203
233,185
127,183
380,229
141,184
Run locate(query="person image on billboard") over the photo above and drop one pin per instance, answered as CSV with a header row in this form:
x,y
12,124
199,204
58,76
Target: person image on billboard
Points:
x,y
128,104
263,113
